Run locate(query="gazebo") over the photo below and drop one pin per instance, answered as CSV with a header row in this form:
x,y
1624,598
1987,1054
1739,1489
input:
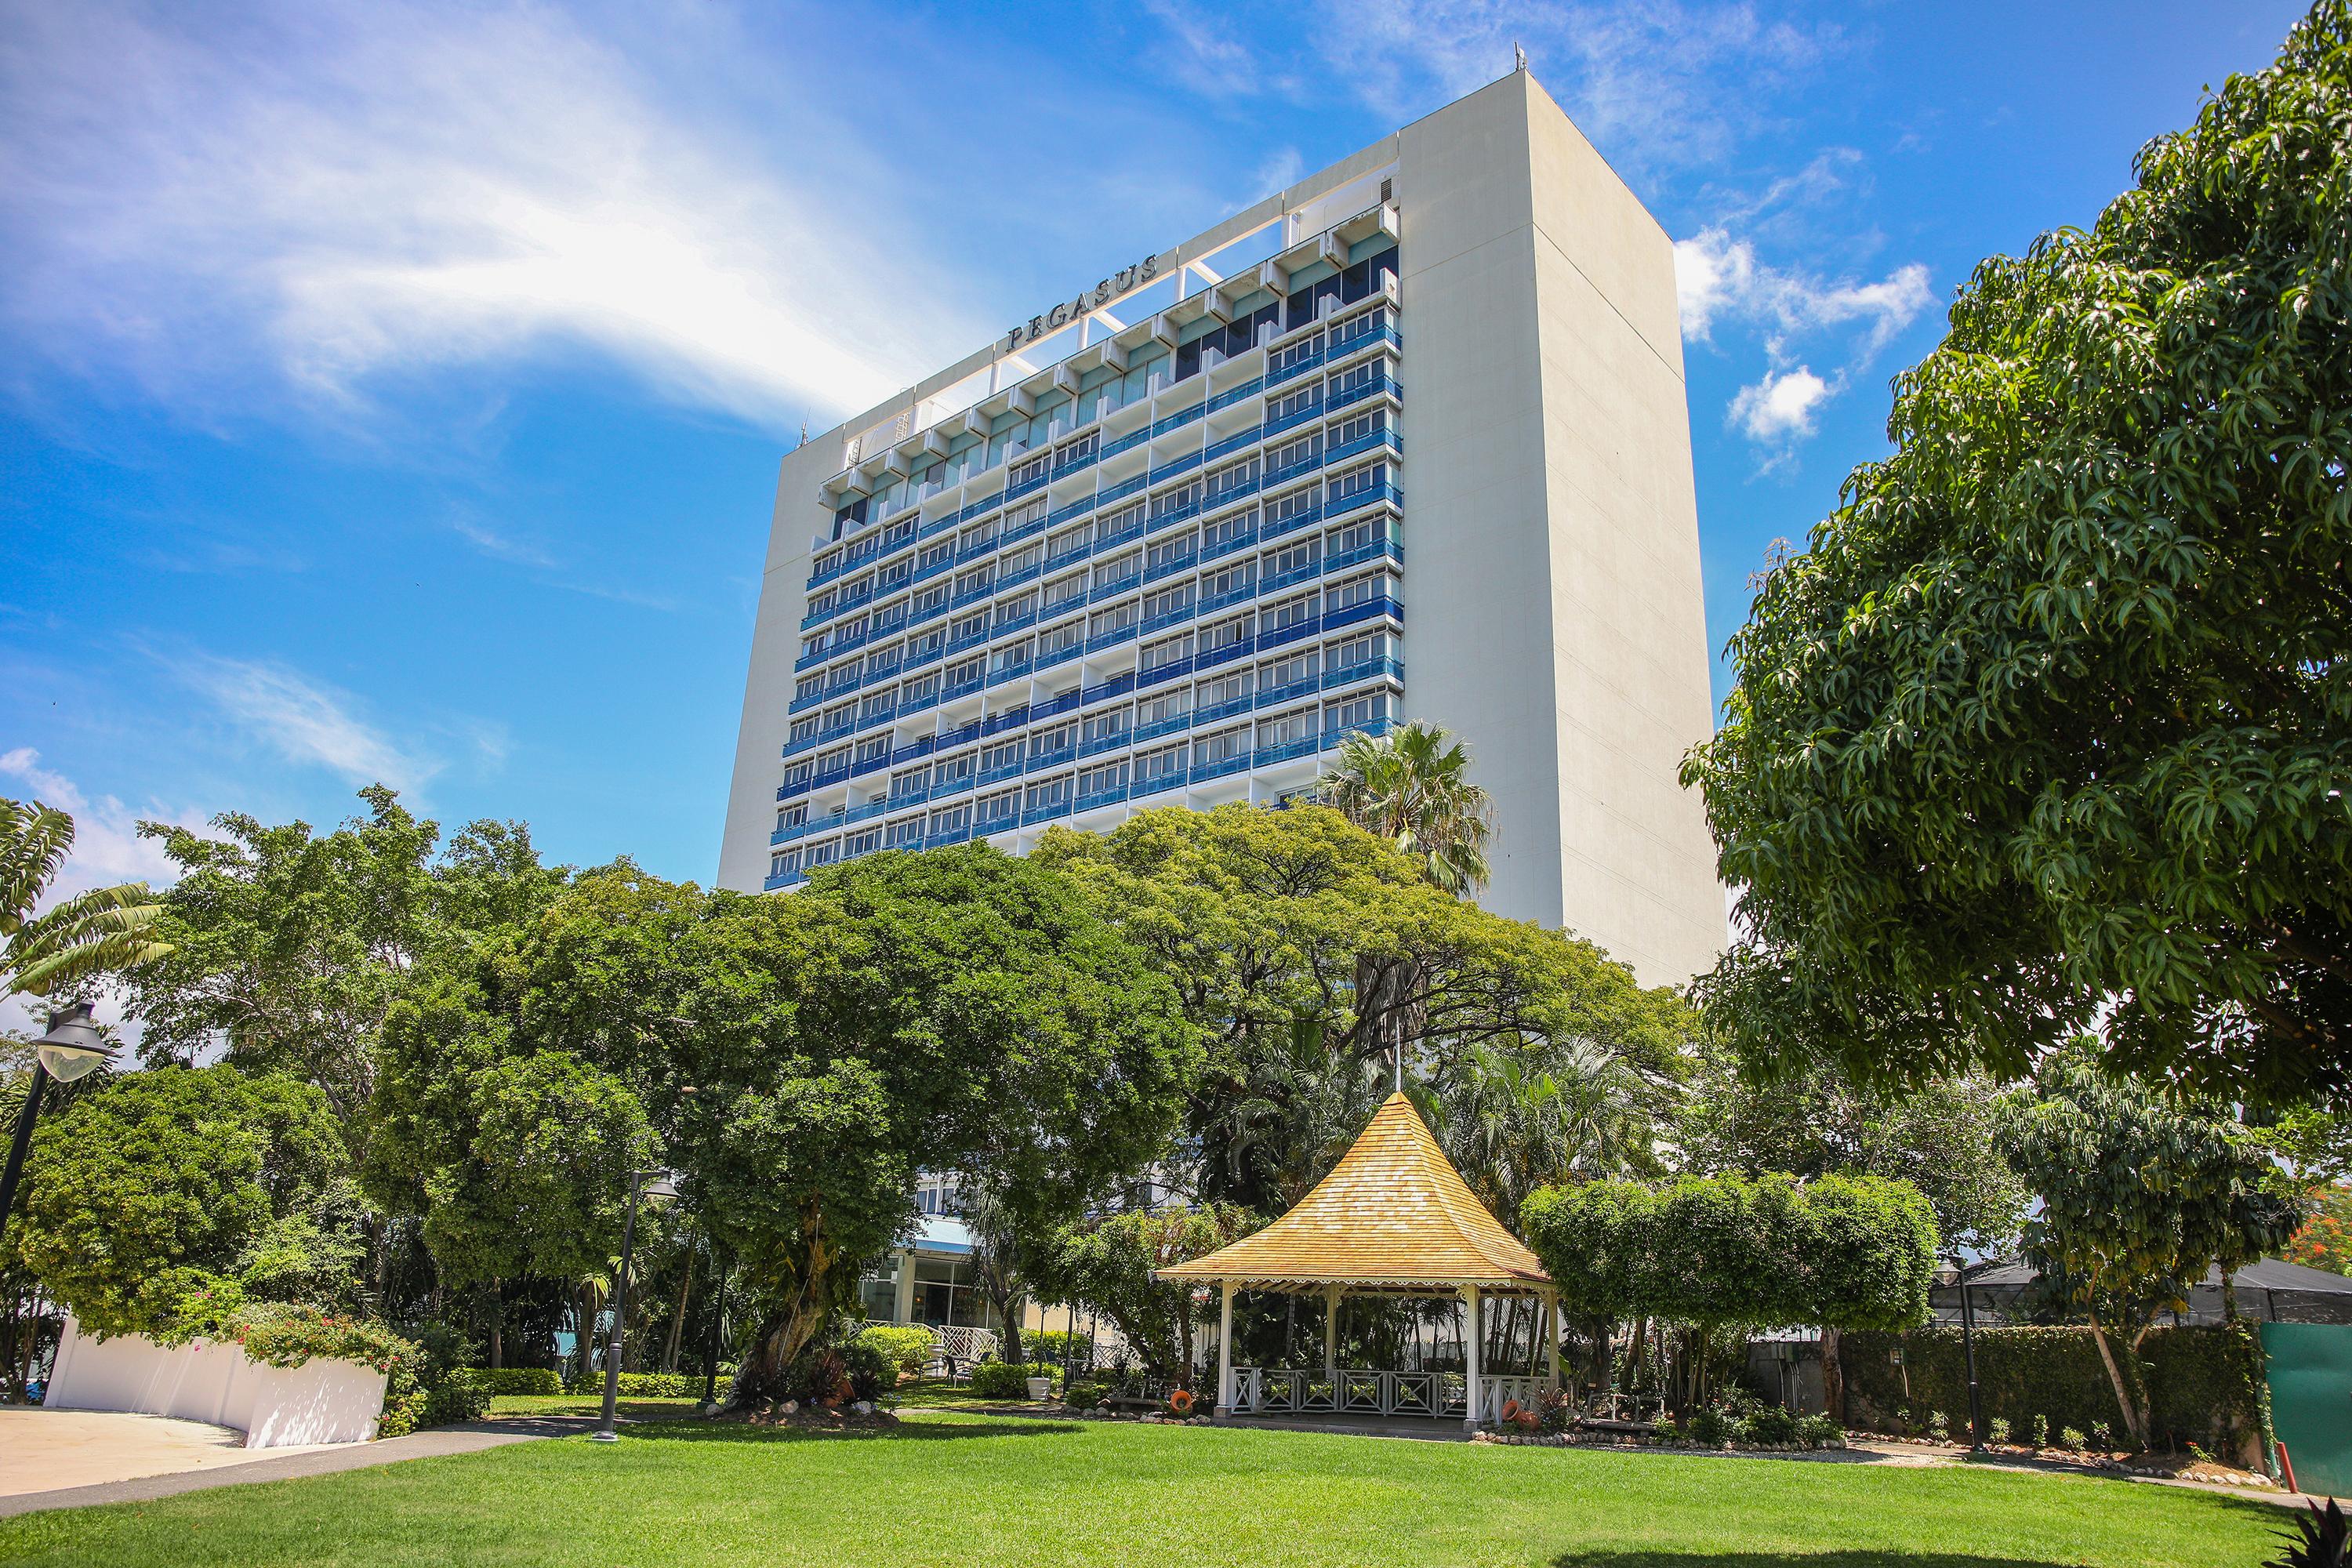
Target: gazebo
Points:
x,y
1393,1218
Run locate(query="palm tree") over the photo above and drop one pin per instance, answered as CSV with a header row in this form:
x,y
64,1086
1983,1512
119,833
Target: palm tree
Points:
x,y
92,933
1412,787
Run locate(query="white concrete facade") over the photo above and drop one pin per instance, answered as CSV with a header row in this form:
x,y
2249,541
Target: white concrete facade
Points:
x,y
322,1401
1495,381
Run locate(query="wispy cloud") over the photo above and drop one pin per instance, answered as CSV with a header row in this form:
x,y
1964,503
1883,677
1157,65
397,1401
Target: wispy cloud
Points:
x,y
1779,409
499,546
341,194
1656,83
306,722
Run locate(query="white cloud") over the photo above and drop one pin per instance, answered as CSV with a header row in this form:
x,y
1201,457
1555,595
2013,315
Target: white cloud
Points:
x,y
499,546
307,723
1717,275
339,193
1779,409
107,848
1651,82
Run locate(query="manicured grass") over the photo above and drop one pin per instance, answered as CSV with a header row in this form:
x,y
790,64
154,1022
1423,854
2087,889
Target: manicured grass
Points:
x,y
967,1491
587,1404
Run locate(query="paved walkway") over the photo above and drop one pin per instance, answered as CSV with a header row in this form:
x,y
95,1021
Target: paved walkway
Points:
x,y
142,1445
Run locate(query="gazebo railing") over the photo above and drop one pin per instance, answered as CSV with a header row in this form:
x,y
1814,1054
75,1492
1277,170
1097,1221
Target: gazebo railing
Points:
x,y
1369,1390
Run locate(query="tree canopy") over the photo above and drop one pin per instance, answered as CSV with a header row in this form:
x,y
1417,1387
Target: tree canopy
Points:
x,y
2051,724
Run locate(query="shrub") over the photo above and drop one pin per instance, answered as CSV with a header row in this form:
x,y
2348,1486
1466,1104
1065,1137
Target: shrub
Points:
x,y
1710,1428
2102,1435
503,1379
1770,1424
1818,1431
1084,1396
1903,1420
639,1384
1997,1429
870,1369
2071,1440
1939,1426
460,1395
1008,1380
906,1348
2041,1431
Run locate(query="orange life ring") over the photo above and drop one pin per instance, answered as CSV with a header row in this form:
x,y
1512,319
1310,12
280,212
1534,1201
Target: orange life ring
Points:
x,y
1180,1401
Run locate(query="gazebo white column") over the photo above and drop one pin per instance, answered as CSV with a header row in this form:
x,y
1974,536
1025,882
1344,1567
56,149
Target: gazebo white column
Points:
x,y
1551,1321
1225,1408
1331,1341
1470,1336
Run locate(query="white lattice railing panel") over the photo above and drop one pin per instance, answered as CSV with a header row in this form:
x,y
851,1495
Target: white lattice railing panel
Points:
x,y
1276,1391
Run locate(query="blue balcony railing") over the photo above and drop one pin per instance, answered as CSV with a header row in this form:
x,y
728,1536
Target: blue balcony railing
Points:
x,y
999,774
1101,744
1111,639
788,833
1047,813
1216,710
1362,669
1275,696
1109,795
1156,783
995,822
1267,756
1203,771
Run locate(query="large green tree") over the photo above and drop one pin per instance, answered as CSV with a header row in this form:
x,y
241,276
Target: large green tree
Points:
x,y
1109,1265
2052,725
2142,1189
171,1183
1306,951
97,931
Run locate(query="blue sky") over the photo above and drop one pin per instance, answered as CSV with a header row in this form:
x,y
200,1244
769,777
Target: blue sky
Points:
x,y
395,391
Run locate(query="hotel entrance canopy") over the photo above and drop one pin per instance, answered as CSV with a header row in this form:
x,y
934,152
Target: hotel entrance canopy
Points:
x,y
1394,1218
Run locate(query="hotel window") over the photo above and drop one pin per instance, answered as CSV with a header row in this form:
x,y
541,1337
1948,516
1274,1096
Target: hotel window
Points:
x,y
1357,427
1210,695
909,834
1232,479
1170,601
1356,377
914,781
1070,541
1065,590
1030,469
823,854
1295,671
1022,516
804,728
890,618
955,819
1299,557
1355,536
1295,405
1290,726
1012,655
935,555
841,717
922,689
873,749
1001,760
1355,329
1237,581
808,685
1222,748
789,860
998,808
1227,530
1170,551
823,604
1227,635
970,584
1356,484
1160,710
1290,613
928,601
1362,650
1060,738
1104,779
822,564
1284,509
1119,569
965,671
1291,354
1107,726
951,773
864,842
1293,456
1356,713
891,576
1159,767
836,758
850,630
978,537
1077,452
1020,607
1358,591
927,645
878,706
1119,524
1029,557
797,776
1183,498
1118,619
1061,639
1045,796
969,626
1168,651
882,661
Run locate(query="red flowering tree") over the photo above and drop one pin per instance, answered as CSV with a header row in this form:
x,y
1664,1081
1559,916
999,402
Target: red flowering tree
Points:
x,y
2325,1239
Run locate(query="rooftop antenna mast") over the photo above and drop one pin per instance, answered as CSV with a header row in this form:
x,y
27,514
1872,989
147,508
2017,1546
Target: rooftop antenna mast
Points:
x,y
1518,56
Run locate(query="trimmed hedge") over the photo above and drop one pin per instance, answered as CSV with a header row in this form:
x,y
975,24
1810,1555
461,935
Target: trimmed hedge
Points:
x,y
2205,1384
907,1347
1008,1380
640,1384
496,1381
460,1395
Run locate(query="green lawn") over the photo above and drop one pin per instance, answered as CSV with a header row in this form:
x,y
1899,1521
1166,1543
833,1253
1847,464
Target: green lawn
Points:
x,y
971,1490
587,1404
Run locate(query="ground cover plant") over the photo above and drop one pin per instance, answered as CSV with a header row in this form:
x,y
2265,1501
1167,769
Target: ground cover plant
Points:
x,y
950,1489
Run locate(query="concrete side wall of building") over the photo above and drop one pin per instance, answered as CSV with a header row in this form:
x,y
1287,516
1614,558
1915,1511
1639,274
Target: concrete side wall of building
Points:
x,y
1554,618
322,1401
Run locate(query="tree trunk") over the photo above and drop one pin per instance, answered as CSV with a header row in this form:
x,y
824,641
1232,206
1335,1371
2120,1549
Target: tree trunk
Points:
x,y
497,1326
1009,1314
678,1313
2132,1419
1833,1377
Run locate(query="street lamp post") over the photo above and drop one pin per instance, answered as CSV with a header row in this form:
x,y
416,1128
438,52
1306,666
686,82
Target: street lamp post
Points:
x,y
711,1346
645,1184
73,1049
1968,1346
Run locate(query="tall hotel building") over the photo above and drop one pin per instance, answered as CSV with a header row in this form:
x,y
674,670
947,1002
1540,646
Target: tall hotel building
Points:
x,y
1407,440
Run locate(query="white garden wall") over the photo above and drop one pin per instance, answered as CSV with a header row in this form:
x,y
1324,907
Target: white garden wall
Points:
x,y
322,1401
